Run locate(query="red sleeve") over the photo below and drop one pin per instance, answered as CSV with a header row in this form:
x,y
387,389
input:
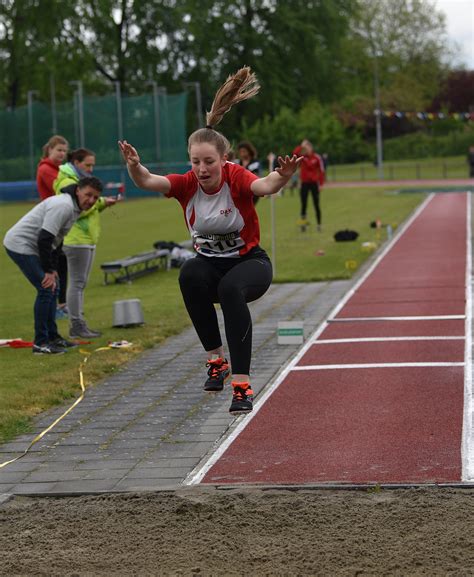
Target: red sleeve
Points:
x,y
240,179
297,150
183,186
45,177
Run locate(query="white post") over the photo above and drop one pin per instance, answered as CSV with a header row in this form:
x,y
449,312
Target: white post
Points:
x,y
156,112
31,93
163,91
118,100
271,158
80,107
197,91
378,120
54,117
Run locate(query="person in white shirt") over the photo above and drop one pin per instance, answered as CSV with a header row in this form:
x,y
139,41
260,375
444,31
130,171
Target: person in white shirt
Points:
x,y
34,242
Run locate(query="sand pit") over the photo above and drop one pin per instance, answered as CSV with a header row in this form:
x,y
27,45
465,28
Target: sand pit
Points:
x,y
204,531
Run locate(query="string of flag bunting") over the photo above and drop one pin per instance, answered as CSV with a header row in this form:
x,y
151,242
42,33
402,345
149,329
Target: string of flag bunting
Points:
x,y
427,115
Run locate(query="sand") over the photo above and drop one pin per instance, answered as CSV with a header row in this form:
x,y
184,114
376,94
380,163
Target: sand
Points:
x,y
208,531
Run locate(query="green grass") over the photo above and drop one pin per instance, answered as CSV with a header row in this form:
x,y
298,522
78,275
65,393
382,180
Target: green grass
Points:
x,y
31,384
423,168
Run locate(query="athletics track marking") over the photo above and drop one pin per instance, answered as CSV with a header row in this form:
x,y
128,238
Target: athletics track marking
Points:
x,y
467,448
199,472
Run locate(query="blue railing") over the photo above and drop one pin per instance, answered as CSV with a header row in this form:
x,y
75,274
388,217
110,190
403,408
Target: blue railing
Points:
x,y
25,190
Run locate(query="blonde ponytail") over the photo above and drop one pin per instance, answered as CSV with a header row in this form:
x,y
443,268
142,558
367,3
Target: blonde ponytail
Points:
x,y
239,86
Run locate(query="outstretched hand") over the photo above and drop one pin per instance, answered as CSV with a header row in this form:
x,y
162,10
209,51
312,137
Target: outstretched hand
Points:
x,y
288,166
111,200
129,153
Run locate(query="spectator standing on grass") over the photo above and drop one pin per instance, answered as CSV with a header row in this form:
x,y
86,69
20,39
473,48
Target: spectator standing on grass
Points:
x,y
470,160
54,154
325,159
247,154
33,244
230,267
80,243
312,178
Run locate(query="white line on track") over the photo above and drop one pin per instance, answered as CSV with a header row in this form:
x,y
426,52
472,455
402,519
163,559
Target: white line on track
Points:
x,y
200,471
371,366
467,445
384,339
414,318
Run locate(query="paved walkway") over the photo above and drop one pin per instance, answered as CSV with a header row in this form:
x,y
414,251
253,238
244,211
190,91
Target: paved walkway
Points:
x,y
149,425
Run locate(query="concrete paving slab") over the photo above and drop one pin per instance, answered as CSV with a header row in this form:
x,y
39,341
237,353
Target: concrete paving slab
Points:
x,y
147,426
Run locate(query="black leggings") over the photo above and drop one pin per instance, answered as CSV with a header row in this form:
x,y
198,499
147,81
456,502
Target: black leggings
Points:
x,y
232,282
306,187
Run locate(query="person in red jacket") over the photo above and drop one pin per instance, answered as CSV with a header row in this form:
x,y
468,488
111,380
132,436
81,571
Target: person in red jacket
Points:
x,y
312,178
54,154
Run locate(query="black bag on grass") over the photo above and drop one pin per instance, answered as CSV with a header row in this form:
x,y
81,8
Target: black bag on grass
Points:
x,y
345,235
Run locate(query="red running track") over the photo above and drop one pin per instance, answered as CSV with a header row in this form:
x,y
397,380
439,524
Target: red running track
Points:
x,y
370,399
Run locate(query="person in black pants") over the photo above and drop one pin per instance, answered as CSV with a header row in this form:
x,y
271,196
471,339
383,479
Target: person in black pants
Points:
x,y
312,177
232,282
230,267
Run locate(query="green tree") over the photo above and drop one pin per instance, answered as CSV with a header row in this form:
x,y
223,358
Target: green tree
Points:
x,y
293,47
30,46
404,44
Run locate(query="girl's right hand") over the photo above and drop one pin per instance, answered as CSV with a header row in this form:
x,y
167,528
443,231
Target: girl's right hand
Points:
x,y
129,153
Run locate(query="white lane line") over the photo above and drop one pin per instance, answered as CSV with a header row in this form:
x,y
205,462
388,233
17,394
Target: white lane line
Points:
x,y
384,339
198,473
414,318
372,366
467,444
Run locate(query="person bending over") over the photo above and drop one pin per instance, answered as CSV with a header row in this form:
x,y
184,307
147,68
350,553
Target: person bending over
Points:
x,y
33,243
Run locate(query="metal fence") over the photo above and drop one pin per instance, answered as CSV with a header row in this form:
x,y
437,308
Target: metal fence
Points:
x,y
441,169
156,122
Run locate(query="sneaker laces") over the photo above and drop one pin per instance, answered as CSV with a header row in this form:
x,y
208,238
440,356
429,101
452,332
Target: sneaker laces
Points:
x,y
241,391
216,367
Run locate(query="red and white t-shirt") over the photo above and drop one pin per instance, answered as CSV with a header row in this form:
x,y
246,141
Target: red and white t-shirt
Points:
x,y
223,223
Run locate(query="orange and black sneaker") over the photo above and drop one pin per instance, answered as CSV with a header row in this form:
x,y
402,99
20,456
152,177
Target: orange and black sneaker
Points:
x,y
218,373
242,399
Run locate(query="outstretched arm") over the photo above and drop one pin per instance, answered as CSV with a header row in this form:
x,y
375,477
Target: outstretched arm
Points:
x,y
276,179
140,175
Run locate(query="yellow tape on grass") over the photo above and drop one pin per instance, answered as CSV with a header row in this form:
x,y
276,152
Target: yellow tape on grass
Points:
x,y
116,345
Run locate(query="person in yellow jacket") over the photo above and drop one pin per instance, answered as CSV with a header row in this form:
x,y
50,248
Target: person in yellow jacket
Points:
x,y
80,243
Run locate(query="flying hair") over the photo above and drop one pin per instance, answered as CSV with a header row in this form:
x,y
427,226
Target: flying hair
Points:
x,y
239,86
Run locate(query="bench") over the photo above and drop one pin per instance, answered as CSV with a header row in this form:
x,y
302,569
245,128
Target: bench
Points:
x,y
126,269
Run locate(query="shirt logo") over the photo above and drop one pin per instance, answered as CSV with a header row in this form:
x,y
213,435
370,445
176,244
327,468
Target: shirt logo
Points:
x,y
226,211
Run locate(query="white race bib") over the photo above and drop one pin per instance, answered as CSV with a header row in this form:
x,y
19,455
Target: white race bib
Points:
x,y
218,244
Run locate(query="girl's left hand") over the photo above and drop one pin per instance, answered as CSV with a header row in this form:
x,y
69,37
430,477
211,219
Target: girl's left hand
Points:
x,y
288,166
